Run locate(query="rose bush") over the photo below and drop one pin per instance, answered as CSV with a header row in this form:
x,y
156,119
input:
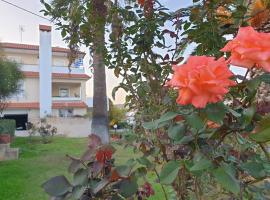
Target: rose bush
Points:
x,y
205,140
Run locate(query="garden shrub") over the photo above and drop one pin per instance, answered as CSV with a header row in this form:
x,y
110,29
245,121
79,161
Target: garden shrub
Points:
x,y
7,126
199,127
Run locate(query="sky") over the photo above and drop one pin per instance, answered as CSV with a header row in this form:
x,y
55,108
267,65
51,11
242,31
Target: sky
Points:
x,y
11,18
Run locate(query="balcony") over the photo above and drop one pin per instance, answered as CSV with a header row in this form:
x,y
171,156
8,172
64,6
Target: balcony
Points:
x,y
66,91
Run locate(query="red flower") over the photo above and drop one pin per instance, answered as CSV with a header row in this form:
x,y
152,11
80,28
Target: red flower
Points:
x,y
249,48
148,190
103,155
141,2
201,80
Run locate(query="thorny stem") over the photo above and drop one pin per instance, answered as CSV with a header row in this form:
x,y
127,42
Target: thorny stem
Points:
x,y
265,151
162,187
197,192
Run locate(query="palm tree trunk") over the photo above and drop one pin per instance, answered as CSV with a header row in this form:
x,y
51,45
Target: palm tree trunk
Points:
x,y
100,108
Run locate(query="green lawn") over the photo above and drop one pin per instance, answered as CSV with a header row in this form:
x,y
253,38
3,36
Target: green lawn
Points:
x,y
21,179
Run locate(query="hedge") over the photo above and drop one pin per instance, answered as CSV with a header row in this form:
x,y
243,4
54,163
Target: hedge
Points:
x,y
7,126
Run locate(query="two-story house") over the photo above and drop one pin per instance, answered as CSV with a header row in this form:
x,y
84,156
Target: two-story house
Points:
x,y
49,88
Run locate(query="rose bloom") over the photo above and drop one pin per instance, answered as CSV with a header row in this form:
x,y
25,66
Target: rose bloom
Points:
x,y
201,80
249,48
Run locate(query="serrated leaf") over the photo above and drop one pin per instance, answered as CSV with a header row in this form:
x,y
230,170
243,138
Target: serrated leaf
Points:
x,y
186,139
255,169
100,185
201,164
123,170
195,121
128,188
248,114
176,132
167,116
227,180
144,161
80,177
262,136
74,166
169,172
77,192
216,112
150,125
57,186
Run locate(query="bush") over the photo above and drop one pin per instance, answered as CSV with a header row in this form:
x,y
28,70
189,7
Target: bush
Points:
x,y
45,130
7,126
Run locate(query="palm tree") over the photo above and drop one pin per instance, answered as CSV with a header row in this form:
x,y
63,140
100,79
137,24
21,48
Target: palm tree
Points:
x,y
83,22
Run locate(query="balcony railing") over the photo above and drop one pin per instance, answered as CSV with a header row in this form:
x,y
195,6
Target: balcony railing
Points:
x,y
66,98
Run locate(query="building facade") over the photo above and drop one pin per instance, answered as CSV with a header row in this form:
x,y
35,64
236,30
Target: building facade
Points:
x,y
49,87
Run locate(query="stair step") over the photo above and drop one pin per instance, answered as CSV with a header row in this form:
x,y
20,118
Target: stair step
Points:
x,y
12,154
2,155
4,147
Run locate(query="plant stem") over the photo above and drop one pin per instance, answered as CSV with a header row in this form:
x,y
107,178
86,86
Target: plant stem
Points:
x,y
162,187
265,151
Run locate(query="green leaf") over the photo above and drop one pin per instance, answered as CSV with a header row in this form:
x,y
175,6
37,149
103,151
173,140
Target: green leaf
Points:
x,y
77,192
169,172
262,136
216,112
75,165
123,170
234,113
248,114
167,116
128,188
176,132
195,121
162,121
100,185
80,177
186,139
150,125
265,78
144,161
255,169
225,178
201,164
57,186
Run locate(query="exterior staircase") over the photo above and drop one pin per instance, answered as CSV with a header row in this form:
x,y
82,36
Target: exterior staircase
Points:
x,y
7,153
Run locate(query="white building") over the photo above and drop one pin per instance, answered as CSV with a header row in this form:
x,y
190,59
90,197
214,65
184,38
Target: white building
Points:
x,y
49,88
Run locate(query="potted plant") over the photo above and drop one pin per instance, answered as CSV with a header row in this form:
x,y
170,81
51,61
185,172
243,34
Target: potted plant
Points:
x,y
5,138
7,130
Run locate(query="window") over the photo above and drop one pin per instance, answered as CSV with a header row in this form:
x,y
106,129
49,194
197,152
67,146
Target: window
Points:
x,y
20,92
65,112
64,92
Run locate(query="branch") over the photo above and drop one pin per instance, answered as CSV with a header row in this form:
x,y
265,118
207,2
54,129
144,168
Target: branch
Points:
x,y
162,187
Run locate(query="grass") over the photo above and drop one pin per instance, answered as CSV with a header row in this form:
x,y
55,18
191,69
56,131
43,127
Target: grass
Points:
x,y
21,179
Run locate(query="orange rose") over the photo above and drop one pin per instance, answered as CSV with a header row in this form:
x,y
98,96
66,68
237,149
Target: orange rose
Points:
x,y
249,48
201,80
